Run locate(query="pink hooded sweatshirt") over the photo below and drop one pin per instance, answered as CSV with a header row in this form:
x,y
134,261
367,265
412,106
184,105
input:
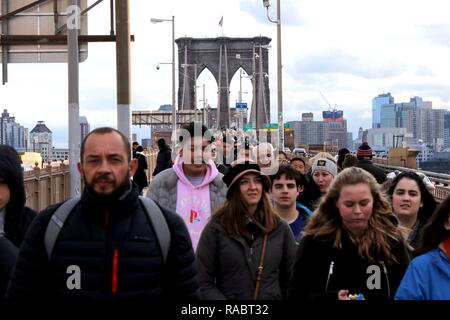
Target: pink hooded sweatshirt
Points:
x,y
194,203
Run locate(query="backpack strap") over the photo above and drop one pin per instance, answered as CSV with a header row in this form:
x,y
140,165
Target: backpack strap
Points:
x,y
153,212
56,223
159,223
308,211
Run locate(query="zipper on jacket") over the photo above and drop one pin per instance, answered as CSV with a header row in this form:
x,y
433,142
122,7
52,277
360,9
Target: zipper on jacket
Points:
x,y
115,267
387,279
330,272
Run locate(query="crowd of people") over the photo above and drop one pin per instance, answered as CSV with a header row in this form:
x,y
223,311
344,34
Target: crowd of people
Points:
x,y
225,217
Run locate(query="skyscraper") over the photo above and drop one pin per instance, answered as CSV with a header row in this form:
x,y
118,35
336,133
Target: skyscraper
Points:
x,y
337,134
11,132
377,103
447,129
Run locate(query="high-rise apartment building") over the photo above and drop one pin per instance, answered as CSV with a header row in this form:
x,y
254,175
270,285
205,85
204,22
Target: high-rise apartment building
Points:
x,y
418,118
310,132
337,134
11,132
377,103
447,129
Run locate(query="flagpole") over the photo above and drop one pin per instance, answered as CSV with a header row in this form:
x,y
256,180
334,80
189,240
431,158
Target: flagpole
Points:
x,y
221,25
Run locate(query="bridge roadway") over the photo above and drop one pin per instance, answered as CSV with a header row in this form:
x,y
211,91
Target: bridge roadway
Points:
x,y
51,184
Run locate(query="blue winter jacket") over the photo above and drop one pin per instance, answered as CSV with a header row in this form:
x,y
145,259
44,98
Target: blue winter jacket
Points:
x,y
427,278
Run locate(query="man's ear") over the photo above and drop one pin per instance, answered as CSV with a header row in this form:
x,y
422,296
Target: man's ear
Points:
x,y
133,167
300,189
80,169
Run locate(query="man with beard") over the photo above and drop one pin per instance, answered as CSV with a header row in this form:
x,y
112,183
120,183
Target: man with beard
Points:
x,y
107,248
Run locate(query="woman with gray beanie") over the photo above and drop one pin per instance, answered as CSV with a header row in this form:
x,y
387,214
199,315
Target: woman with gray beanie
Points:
x,y
323,171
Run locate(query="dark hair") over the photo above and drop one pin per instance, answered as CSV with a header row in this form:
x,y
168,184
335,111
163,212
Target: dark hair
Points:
x,y
283,153
341,156
290,173
298,159
349,161
12,174
192,129
161,142
234,209
106,130
434,231
429,204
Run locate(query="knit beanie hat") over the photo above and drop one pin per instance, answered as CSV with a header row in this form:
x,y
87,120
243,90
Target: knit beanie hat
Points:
x,y
325,164
364,151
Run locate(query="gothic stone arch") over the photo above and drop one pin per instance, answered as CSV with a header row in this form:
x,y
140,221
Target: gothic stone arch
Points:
x,y
223,56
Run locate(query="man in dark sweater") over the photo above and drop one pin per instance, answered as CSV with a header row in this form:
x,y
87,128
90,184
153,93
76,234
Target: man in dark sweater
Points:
x,y
107,248
364,155
164,158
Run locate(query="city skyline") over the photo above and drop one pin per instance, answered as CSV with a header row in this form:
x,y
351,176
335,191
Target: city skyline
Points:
x,y
350,51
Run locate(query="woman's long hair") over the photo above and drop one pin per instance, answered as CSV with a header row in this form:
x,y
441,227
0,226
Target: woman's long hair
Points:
x,y
376,241
434,231
429,204
233,212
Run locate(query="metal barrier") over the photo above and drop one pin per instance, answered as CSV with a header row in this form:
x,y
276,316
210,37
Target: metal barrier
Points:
x,y
441,181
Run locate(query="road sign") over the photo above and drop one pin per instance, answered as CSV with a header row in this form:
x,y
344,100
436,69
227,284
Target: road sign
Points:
x,y
241,105
248,127
39,20
275,126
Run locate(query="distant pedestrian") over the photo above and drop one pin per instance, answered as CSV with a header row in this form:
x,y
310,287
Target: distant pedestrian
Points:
x,y
140,176
341,156
349,161
364,155
164,158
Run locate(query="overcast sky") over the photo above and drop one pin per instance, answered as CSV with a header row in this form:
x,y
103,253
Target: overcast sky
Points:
x,y
350,50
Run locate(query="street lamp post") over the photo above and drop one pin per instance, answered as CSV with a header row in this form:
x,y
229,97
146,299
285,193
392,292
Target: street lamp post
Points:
x,y
266,4
174,111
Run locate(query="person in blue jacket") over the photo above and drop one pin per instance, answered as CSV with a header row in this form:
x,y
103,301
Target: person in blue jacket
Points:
x,y
428,275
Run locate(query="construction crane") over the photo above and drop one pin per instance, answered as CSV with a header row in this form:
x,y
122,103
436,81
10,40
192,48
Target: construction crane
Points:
x,y
329,105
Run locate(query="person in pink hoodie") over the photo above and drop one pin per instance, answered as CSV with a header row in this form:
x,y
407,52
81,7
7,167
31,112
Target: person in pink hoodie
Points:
x,y
192,187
